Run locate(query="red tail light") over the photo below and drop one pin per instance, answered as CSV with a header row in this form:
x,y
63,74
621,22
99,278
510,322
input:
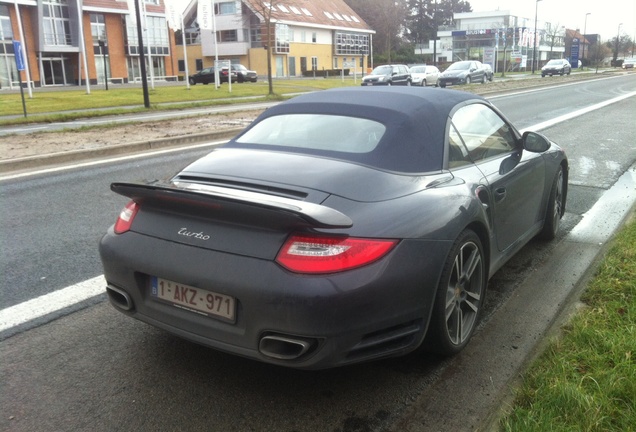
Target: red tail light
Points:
x,y
318,254
125,219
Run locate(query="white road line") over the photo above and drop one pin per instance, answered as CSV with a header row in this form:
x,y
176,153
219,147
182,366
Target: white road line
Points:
x,y
52,302
57,300
574,114
112,159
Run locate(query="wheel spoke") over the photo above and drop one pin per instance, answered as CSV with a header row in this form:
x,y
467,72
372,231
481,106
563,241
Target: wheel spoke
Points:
x,y
471,305
458,325
473,261
450,307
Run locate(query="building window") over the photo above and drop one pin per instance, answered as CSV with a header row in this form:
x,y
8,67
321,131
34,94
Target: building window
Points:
x,y
8,69
335,62
282,38
156,41
199,64
193,36
225,8
314,37
56,26
227,36
303,36
98,28
314,63
351,43
256,36
6,33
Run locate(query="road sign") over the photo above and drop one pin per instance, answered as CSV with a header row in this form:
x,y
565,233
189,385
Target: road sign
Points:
x,y
19,59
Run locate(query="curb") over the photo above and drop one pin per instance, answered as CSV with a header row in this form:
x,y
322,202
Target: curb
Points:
x,y
47,160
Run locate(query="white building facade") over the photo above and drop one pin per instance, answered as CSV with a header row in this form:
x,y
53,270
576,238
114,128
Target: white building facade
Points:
x,y
498,38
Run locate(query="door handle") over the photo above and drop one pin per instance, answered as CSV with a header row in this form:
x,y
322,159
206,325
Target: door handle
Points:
x,y
500,194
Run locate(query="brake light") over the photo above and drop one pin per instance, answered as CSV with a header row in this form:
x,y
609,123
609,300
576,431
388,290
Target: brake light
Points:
x,y
125,219
329,254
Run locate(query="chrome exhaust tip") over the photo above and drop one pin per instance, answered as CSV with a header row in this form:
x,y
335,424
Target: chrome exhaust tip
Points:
x,y
285,347
119,298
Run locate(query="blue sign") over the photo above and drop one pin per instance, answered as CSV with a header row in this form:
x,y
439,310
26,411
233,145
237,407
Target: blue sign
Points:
x,y
574,53
19,60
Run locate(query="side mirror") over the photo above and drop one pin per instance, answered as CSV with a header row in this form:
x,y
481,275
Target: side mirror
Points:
x,y
535,142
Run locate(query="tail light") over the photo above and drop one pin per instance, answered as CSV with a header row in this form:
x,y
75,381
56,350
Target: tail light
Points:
x,y
125,219
328,254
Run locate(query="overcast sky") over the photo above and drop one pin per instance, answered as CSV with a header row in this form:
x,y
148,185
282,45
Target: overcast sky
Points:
x,y
604,18
605,15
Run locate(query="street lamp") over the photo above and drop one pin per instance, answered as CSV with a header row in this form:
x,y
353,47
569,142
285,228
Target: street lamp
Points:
x,y
618,36
101,49
534,48
584,31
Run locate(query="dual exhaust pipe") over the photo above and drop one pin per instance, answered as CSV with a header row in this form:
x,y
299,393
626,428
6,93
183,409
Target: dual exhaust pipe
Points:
x,y
276,346
281,347
119,298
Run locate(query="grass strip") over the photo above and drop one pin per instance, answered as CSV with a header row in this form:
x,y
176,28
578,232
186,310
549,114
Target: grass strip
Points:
x,y
586,379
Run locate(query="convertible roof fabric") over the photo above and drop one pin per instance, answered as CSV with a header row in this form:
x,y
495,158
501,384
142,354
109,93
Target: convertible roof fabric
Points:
x,y
415,120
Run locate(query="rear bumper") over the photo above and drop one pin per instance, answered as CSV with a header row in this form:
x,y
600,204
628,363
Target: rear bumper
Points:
x,y
377,311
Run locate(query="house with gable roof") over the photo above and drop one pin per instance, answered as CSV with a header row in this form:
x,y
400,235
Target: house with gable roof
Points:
x,y
306,37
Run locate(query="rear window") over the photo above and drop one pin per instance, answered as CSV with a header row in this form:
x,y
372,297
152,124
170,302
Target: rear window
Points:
x,y
322,132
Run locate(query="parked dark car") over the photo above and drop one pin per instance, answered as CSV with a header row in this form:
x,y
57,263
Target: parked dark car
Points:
x,y
463,72
388,75
556,67
206,76
243,74
341,226
489,72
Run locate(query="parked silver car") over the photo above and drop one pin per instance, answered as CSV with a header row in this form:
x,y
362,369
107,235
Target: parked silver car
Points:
x,y
424,75
556,67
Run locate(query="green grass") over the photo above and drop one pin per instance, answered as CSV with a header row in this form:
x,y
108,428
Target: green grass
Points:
x,y
586,379
59,105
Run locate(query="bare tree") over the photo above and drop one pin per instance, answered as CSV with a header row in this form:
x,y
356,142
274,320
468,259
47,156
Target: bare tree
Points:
x,y
620,45
387,18
554,33
264,11
597,53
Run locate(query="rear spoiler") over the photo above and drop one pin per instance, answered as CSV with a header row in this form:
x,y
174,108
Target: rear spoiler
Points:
x,y
317,215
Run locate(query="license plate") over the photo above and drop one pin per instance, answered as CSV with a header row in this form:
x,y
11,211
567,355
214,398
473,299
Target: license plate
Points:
x,y
193,299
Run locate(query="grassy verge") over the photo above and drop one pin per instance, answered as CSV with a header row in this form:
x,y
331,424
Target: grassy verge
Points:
x,y
586,379
127,99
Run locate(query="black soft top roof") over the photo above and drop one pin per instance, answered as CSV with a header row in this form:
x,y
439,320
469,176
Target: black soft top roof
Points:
x,y
415,120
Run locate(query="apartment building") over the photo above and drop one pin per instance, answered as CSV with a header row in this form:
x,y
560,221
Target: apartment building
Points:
x,y
306,36
498,38
66,42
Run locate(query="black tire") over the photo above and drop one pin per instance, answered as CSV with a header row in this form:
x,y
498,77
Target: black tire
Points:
x,y
554,209
467,80
459,298
442,85
423,84
192,81
389,83
408,83
483,79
